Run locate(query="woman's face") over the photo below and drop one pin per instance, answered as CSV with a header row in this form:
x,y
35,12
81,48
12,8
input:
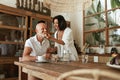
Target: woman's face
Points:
x,y
56,24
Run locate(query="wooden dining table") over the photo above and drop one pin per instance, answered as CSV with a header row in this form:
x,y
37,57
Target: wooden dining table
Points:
x,y
51,70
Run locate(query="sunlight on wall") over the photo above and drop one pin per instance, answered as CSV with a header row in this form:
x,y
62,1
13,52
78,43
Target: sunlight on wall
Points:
x,y
11,3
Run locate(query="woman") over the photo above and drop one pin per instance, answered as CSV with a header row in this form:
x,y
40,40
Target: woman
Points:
x,y
63,38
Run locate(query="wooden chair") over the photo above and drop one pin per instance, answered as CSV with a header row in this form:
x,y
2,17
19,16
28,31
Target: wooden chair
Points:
x,y
89,74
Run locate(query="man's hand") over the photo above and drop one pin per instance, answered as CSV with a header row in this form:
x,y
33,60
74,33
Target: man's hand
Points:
x,y
52,50
48,56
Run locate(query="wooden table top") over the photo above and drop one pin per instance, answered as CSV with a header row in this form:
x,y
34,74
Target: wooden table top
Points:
x,y
55,69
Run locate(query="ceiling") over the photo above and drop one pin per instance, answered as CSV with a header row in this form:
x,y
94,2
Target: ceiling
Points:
x,y
67,5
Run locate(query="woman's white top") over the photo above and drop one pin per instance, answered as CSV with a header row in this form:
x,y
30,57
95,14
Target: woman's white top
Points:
x,y
69,45
38,49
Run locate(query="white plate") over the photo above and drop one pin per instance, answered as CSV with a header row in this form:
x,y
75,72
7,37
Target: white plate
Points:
x,y
42,61
113,66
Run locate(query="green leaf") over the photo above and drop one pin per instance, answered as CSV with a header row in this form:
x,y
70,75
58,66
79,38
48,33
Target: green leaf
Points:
x,y
117,3
90,24
99,7
93,8
89,13
96,36
113,3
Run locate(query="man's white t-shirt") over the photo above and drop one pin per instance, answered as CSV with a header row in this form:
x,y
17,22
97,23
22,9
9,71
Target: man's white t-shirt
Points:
x,y
38,49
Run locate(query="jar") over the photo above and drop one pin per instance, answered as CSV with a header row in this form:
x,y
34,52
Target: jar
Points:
x,y
2,76
102,49
66,55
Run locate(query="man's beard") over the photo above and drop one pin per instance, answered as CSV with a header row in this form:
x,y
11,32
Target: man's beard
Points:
x,y
41,35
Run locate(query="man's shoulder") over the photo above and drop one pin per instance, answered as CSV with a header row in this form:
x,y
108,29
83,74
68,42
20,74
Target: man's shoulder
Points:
x,y
46,40
31,38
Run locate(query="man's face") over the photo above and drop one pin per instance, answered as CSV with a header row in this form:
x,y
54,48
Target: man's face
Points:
x,y
41,29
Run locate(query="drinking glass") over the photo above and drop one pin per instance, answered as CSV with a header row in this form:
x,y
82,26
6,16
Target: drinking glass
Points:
x,y
84,58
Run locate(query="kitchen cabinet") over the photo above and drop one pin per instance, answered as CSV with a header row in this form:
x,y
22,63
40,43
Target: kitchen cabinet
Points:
x,y
16,25
13,33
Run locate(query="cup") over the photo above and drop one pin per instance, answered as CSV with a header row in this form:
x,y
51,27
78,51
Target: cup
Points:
x,y
41,59
84,58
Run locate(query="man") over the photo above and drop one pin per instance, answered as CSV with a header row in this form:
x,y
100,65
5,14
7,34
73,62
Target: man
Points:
x,y
36,46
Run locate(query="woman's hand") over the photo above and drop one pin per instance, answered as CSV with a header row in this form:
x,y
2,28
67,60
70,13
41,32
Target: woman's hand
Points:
x,y
48,36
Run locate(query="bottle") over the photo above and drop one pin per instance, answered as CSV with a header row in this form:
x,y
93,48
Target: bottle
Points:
x,y
66,55
114,50
102,49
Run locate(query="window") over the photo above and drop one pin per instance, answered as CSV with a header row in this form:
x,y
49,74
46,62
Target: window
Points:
x,y
102,23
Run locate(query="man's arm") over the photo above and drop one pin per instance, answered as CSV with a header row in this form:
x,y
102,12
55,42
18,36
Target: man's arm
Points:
x,y
26,55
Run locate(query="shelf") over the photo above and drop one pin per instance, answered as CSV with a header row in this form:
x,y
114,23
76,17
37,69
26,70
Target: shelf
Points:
x,y
12,27
8,60
97,30
10,42
96,54
13,35
10,78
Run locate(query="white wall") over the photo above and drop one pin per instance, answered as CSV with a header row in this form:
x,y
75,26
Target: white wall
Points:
x,y
11,3
76,25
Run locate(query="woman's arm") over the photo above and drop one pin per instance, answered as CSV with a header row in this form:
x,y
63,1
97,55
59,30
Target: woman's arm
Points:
x,y
48,36
57,40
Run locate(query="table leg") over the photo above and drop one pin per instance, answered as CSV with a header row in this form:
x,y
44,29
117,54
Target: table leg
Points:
x,y
20,73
